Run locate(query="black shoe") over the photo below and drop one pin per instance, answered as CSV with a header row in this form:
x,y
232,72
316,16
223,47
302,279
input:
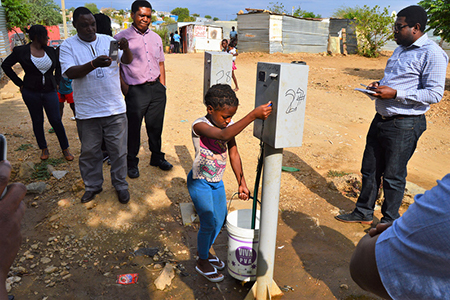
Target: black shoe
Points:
x,y
133,172
124,196
354,218
162,164
89,195
385,220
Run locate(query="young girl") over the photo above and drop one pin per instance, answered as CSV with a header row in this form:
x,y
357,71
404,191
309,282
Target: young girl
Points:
x,y
211,135
231,48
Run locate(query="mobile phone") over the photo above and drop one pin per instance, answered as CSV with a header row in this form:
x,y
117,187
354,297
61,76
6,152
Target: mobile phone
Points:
x,y
113,49
3,149
368,87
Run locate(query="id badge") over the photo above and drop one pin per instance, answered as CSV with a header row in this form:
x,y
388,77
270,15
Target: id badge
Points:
x,y
99,73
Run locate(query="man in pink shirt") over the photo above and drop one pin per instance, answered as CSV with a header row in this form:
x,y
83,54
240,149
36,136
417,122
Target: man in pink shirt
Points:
x,y
144,87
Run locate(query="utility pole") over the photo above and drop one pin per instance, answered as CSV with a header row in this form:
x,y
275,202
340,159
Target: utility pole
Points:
x,y
63,7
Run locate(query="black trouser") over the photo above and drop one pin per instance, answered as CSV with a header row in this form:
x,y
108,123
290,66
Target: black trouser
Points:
x,y
145,100
176,47
390,144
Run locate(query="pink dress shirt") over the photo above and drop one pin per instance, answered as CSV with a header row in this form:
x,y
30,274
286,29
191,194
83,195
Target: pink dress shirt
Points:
x,y
147,49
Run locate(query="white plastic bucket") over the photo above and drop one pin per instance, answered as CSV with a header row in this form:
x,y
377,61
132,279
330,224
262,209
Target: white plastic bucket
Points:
x,y
242,244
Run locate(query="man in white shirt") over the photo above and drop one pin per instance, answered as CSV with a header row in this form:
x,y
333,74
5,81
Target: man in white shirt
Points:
x,y
100,107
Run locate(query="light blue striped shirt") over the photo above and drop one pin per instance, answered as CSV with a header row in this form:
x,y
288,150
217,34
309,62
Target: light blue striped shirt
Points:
x,y
417,72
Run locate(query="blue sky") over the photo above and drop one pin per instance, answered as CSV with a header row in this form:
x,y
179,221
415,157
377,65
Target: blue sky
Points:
x,y
227,10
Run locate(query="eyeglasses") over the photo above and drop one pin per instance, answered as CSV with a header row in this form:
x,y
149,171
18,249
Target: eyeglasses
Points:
x,y
398,27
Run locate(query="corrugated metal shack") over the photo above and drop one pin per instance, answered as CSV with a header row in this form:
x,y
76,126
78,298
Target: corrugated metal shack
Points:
x,y
269,32
335,29
200,38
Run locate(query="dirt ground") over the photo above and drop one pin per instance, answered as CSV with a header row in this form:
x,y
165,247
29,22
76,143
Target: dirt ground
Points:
x,y
89,245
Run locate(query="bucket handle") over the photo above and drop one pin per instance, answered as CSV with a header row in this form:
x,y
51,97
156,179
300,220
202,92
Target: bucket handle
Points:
x,y
237,193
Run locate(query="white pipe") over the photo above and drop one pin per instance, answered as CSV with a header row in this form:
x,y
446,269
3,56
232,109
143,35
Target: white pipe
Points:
x,y
269,220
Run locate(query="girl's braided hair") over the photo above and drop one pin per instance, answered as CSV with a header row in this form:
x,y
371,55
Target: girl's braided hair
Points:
x,y
221,95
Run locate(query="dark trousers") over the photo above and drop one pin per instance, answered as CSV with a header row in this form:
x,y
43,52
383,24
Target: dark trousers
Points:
x,y
93,132
36,102
389,146
176,46
147,101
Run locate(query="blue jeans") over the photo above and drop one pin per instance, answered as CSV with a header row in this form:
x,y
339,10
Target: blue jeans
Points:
x,y
35,101
210,201
389,146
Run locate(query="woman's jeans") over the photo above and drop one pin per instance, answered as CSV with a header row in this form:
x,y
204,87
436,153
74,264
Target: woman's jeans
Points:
x,y
210,201
35,101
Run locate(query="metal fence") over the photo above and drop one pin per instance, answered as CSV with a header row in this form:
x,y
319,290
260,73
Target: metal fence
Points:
x,y
5,47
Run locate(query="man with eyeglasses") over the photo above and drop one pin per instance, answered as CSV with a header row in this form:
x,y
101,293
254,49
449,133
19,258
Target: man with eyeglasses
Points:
x,y
414,78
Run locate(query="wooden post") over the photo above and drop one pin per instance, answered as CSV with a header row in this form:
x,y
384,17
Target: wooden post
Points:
x,y
344,41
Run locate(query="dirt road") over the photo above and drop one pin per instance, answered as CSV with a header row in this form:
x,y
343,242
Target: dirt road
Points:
x,y
89,245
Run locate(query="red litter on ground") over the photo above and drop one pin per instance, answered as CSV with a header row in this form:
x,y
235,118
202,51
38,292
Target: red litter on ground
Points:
x,y
127,278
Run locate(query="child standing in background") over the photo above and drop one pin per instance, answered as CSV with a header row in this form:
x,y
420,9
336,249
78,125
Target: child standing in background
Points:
x,y
65,93
212,135
231,48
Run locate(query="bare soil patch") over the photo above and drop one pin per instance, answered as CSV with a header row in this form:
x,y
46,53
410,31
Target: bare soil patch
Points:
x,y
91,244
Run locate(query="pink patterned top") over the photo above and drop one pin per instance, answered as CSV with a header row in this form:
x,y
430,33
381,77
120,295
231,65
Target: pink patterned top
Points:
x,y
210,155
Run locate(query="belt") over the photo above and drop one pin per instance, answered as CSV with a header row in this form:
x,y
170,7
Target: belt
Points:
x,y
152,82
398,117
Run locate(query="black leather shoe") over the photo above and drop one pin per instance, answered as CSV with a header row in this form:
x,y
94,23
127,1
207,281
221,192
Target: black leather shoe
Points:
x,y
124,196
162,164
354,218
133,172
385,220
89,195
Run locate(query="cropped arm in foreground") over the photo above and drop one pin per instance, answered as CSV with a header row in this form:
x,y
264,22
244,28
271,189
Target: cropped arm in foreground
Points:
x,y
12,210
409,260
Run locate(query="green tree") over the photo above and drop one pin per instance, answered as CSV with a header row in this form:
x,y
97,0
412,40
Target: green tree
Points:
x,y
180,11
196,15
305,14
208,17
347,12
169,20
164,35
44,12
215,19
277,8
92,7
373,29
310,14
17,14
183,14
438,17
